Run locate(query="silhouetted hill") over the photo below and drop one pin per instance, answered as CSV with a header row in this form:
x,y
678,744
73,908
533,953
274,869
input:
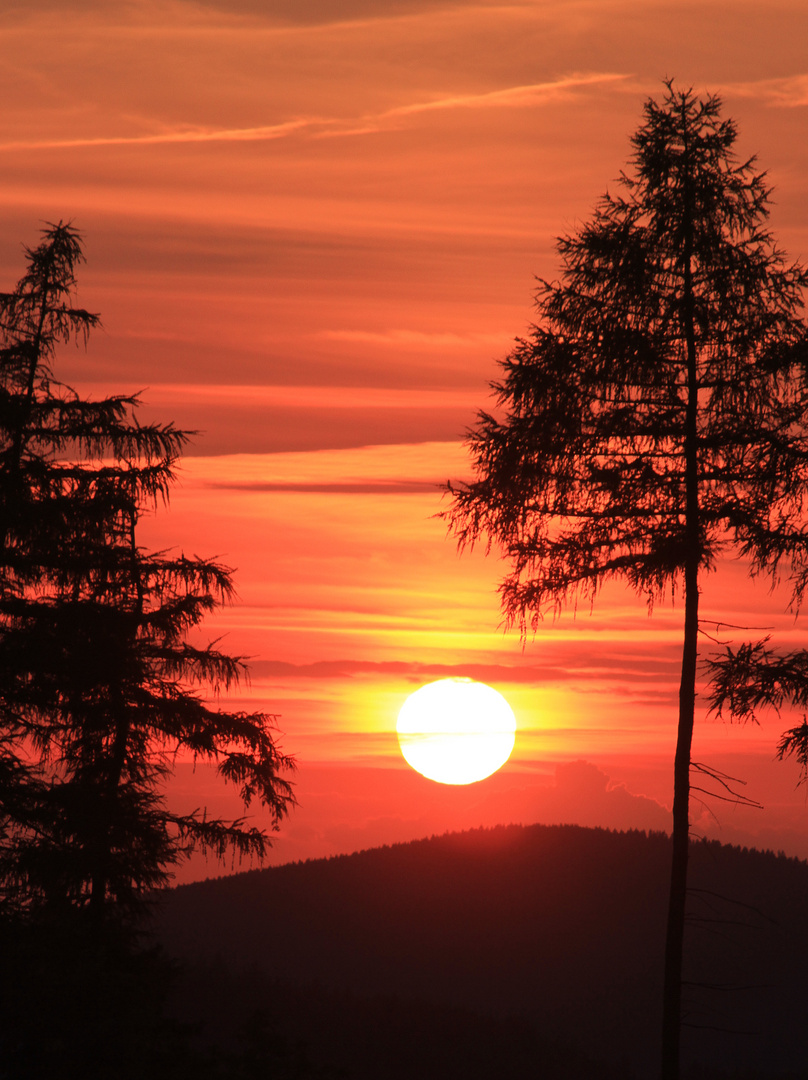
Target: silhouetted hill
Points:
x,y
517,951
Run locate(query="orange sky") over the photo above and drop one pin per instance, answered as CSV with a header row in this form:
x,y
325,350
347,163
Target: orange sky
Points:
x,y
310,238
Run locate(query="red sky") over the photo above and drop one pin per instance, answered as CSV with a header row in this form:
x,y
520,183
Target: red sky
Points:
x,y
310,238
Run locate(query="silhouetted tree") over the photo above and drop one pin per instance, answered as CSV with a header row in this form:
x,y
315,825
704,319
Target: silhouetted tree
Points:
x,y
100,687
754,676
653,421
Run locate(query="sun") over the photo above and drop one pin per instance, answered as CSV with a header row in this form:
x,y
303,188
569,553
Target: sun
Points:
x,y
456,731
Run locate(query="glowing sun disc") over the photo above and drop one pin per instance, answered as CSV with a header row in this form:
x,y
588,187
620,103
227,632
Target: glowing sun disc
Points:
x,y
456,731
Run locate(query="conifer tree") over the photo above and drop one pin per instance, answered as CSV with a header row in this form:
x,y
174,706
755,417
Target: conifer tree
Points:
x,y
100,687
753,676
653,422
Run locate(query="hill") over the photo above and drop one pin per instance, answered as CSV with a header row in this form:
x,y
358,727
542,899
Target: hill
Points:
x,y
515,951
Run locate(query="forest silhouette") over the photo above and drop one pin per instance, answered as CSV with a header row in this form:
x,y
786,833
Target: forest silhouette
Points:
x,y
518,951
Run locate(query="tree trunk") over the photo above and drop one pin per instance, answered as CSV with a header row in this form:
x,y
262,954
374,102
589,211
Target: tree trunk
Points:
x,y
672,990
677,898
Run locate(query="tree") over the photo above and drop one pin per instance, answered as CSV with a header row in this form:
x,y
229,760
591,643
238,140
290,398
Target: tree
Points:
x,y
654,419
100,686
753,676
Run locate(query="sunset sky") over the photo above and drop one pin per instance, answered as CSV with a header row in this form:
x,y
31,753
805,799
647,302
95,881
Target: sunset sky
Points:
x,y
312,227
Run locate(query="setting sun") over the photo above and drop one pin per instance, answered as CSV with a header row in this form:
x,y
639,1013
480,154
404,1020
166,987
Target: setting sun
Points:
x,y
456,731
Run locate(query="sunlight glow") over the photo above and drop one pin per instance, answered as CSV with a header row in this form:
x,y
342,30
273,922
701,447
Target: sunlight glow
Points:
x,y
456,731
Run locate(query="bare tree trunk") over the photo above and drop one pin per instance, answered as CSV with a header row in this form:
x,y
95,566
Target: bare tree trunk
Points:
x,y
677,898
672,990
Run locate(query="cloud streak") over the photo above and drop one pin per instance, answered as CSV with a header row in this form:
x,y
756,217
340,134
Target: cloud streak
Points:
x,y
525,96
789,93
392,487
519,97
570,662
408,339
314,397
176,137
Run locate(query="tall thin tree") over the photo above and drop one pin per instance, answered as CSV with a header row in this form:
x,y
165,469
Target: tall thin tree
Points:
x,y
654,419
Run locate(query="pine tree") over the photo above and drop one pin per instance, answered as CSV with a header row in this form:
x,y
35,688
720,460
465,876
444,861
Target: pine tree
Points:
x,y
653,422
100,687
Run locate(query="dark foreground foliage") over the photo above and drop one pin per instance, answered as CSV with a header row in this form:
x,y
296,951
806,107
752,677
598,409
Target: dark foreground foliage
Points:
x,y
516,952
75,1008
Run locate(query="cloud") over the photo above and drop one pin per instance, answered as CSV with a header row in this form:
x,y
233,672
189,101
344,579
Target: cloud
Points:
x,y
519,97
417,338
524,96
325,398
390,487
340,669
324,12
286,429
789,92
581,794
510,97
419,466
181,135
563,661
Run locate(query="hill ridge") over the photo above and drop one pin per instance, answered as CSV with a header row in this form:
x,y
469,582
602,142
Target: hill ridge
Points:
x,y
559,925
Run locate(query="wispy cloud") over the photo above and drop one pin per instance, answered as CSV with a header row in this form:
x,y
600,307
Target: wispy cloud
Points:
x,y
391,487
525,96
322,398
518,97
567,661
788,92
416,338
511,97
178,135
418,466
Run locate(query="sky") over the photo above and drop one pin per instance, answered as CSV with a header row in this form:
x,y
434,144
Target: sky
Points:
x,y
312,229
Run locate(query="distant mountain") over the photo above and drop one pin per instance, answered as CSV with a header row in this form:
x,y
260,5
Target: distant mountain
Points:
x,y
519,951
